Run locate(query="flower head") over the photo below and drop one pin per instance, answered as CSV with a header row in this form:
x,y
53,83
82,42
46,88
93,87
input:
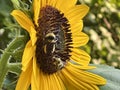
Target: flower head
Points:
x,y
51,59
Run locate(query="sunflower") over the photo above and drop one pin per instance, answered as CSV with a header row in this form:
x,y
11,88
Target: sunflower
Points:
x,y
52,59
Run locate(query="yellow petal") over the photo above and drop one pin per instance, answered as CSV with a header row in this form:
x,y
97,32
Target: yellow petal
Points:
x,y
35,80
33,83
76,13
76,27
45,82
59,85
36,9
60,82
27,54
22,19
33,36
70,82
25,78
50,82
79,39
78,79
84,76
64,5
43,3
52,2
80,56
94,86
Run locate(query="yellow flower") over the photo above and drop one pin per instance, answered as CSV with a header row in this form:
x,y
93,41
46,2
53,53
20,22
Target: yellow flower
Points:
x,y
51,59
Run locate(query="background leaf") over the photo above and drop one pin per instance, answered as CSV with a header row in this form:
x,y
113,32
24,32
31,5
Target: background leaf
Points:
x,y
111,74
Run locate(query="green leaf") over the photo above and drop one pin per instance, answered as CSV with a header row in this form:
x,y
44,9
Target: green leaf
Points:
x,y
111,74
16,4
5,7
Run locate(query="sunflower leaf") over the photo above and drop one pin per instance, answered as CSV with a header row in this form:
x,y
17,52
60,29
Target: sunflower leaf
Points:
x,y
111,74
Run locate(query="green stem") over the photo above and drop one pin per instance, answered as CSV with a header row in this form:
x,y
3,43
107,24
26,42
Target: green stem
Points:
x,y
4,64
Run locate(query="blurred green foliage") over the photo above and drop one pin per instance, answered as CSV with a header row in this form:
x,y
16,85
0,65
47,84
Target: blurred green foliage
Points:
x,y
5,20
103,26
10,30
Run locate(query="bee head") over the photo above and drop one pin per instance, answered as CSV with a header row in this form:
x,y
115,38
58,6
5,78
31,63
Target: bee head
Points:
x,y
50,37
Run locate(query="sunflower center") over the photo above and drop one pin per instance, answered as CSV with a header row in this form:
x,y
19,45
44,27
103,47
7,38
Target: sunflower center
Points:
x,y
53,40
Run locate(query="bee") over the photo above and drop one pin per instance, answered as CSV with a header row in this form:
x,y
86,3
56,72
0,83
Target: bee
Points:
x,y
50,41
52,61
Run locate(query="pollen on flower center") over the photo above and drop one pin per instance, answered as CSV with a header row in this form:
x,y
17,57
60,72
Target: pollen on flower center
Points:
x,y
53,40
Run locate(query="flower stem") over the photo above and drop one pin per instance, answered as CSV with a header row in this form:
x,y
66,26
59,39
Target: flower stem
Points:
x,y
4,61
